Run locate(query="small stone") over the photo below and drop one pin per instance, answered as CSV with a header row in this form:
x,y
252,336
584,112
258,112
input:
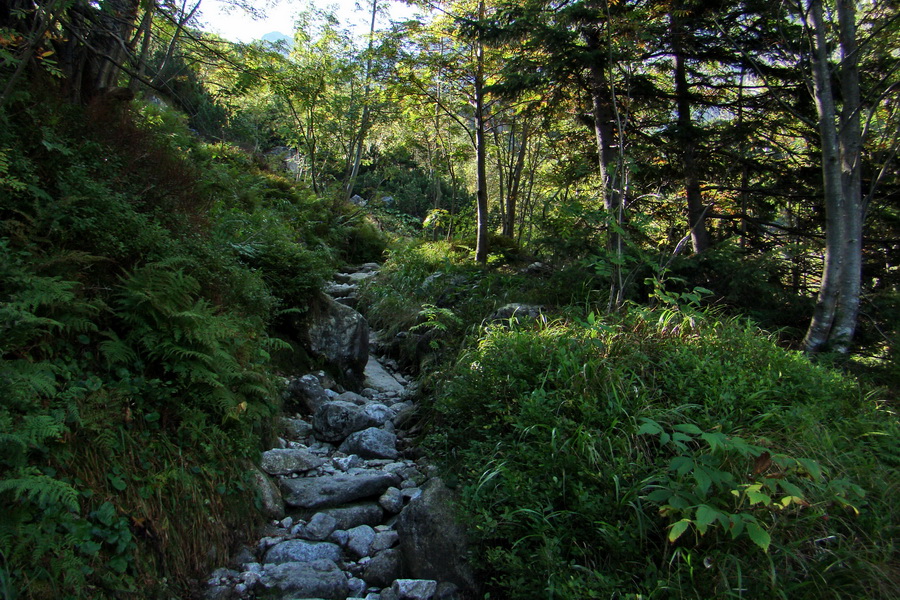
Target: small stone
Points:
x,y
359,542
356,586
339,537
319,527
345,463
408,484
391,500
384,540
287,522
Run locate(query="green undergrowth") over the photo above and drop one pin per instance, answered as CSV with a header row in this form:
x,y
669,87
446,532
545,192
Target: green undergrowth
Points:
x,y
142,272
667,454
435,291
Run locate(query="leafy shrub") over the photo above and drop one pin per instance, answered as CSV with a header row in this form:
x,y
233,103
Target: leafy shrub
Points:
x,y
666,454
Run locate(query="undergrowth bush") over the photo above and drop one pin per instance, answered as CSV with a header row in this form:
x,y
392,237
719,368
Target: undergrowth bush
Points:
x,y
664,454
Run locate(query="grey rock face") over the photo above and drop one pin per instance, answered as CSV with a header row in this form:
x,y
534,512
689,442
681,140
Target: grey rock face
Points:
x,y
371,443
271,502
383,569
335,420
301,551
287,461
340,335
432,541
334,490
318,579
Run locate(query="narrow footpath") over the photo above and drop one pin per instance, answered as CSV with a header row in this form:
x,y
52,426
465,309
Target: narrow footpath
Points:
x,y
355,512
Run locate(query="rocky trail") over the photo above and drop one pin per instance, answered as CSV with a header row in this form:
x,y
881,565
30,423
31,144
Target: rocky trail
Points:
x,y
355,511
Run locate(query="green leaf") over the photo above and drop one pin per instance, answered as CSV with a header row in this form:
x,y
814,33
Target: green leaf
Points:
x,y
713,439
681,464
703,479
735,525
759,536
659,495
706,516
812,467
650,427
757,497
688,428
678,528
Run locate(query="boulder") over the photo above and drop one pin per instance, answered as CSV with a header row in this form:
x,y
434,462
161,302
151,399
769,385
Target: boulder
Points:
x,y
301,551
339,335
318,579
319,527
371,443
335,490
359,541
391,500
305,394
271,503
414,589
337,419
516,311
433,543
383,569
287,460
351,516
294,429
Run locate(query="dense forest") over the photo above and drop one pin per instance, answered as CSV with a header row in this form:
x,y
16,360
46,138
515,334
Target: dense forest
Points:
x,y
696,206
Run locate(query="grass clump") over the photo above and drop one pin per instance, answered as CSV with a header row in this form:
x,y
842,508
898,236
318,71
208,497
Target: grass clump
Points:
x,y
662,454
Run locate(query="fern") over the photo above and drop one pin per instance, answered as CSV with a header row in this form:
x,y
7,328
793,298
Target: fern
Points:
x,y
33,486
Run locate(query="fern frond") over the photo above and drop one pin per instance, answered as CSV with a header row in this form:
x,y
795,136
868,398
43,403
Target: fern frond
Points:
x,y
33,486
116,351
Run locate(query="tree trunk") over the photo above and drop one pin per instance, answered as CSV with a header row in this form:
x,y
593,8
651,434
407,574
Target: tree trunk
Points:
x,y
481,244
364,121
834,318
515,183
688,136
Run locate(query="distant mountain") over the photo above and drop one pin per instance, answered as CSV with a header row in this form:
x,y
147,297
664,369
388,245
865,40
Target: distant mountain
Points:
x,y
276,37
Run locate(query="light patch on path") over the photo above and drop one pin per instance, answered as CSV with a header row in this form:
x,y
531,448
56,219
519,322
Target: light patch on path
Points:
x,y
379,379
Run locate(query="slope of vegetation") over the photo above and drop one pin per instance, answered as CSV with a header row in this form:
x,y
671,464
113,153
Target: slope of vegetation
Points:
x,y
142,274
